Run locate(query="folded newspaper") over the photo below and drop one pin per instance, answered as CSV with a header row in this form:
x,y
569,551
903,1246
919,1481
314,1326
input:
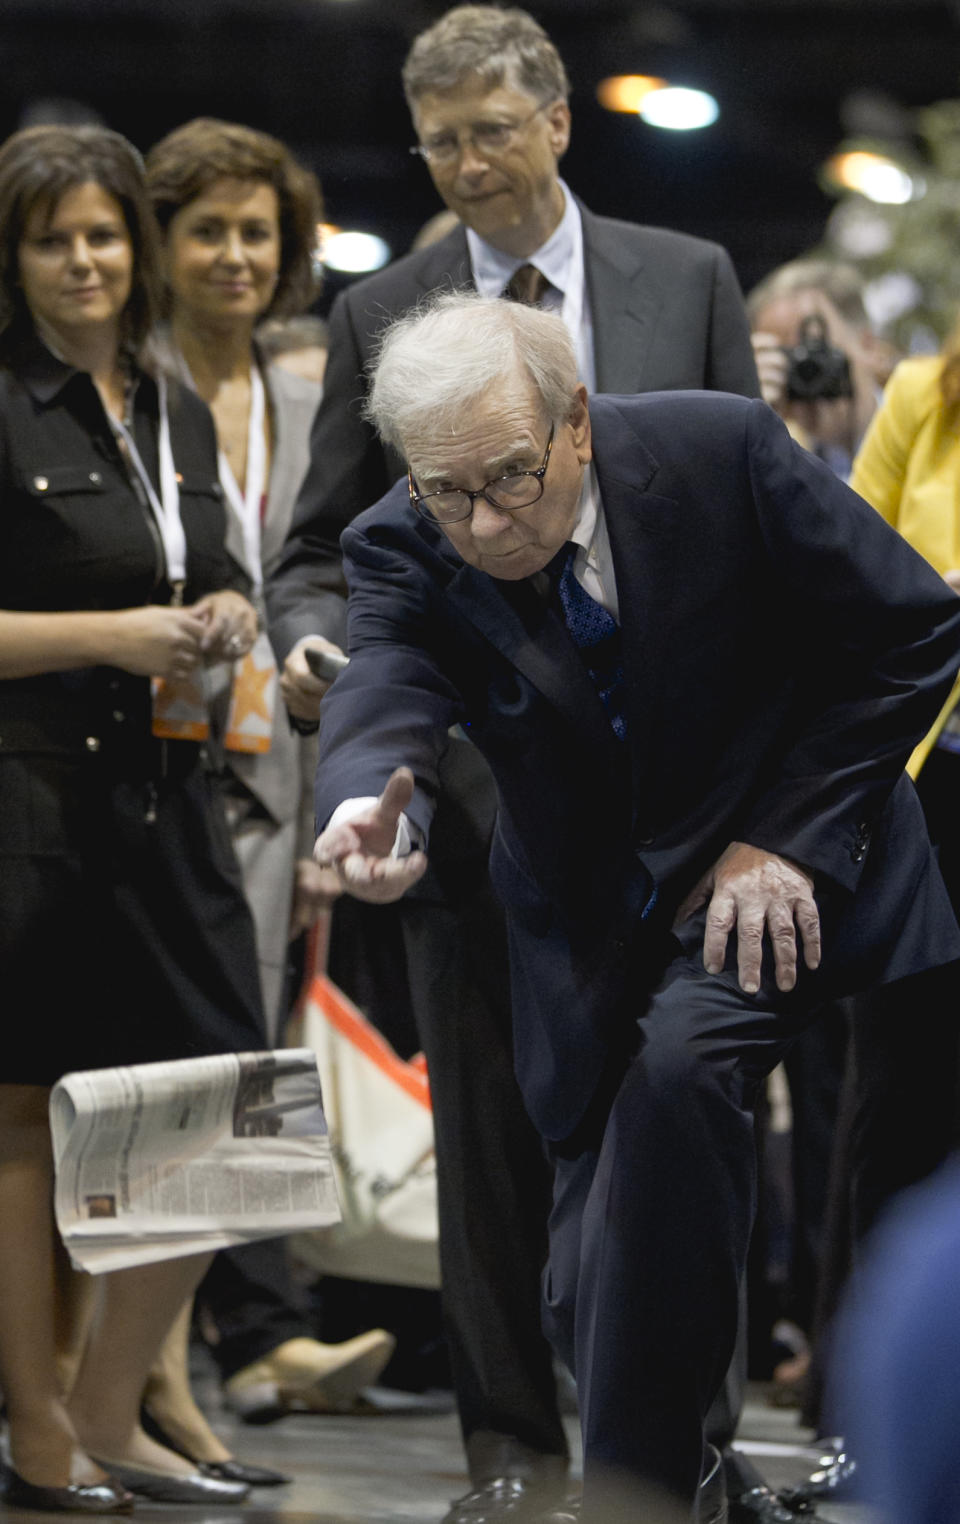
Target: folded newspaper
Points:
x,y
159,1160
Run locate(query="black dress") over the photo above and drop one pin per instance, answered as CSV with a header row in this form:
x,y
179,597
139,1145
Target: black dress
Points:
x,y
124,933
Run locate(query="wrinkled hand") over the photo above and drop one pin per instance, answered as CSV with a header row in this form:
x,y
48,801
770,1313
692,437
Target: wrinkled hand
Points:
x,y
757,892
157,641
315,890
359,849
301,689
230,625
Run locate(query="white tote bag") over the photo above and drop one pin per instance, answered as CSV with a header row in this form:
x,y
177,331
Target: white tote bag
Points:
x,y
378,1112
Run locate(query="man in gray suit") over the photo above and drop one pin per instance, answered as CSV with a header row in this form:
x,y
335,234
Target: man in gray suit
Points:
x,y
647,309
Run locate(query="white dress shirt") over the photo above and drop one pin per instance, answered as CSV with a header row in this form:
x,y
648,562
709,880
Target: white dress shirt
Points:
x,y
560,259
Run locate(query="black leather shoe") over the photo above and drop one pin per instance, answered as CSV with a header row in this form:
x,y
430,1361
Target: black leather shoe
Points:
x,y
760,1505
239,1471
226,1471
169,1487
834,1481
95,1497
511,1497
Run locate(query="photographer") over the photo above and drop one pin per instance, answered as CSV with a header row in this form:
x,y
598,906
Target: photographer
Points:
x,y
820,364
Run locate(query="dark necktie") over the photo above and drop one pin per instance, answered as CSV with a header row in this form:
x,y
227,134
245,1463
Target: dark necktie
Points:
x,y
596,634
527,285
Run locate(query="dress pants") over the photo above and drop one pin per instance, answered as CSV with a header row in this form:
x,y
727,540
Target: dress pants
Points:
x,y
447,957
653,1207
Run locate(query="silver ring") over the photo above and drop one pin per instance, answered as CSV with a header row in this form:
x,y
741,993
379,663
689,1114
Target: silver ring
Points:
x,y
235,644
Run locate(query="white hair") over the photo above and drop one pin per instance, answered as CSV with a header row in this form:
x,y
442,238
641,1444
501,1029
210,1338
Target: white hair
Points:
x,y
435,362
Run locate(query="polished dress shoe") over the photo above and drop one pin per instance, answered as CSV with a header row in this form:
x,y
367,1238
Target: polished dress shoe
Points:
x,y
92,1497
834,1481
760,1505
169,1487
512,1498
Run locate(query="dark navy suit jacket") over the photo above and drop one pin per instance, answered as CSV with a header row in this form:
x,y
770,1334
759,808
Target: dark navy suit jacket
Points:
x,y
783,650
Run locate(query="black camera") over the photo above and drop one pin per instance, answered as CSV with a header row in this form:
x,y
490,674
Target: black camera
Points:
x,y
816,372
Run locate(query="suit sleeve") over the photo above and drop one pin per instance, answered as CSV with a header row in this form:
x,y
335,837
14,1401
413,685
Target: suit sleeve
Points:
x,y
347,473
883,632
393,705
730,363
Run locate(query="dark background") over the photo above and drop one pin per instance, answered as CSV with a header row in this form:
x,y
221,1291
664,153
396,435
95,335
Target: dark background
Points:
x,y
792,76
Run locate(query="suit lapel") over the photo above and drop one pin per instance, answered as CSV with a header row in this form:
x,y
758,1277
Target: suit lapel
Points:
x,y
513,617
648,559
446,267
624,312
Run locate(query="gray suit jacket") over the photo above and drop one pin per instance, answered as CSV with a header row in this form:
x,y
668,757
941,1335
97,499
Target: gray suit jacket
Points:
x,y
667,315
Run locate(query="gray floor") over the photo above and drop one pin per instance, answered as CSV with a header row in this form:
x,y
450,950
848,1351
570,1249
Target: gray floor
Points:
x,y
404,1464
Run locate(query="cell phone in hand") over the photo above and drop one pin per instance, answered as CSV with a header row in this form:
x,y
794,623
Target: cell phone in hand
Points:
x,y
325,664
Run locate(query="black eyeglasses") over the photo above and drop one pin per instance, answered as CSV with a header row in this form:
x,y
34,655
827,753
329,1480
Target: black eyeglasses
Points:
x,y
488,138
518,489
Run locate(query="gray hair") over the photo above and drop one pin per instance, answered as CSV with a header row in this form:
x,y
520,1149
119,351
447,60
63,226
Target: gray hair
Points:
x,y
437,360
501,46
840,283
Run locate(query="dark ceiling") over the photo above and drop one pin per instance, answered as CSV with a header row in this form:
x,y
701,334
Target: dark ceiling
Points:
x,y
792,78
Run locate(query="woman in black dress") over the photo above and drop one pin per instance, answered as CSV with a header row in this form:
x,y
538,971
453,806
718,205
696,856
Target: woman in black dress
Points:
x,y
124,935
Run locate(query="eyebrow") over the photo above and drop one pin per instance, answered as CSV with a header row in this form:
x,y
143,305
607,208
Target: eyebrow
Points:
x,y
493,466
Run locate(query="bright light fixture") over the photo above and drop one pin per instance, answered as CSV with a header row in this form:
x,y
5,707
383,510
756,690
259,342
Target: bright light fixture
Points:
x,y
873,175
679,109
627,92
353,253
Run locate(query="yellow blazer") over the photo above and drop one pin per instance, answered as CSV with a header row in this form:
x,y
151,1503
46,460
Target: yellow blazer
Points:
x,y
908,467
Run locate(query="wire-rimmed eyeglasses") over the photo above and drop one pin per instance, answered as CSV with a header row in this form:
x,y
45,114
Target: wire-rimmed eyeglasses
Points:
x,y
488,138
518,489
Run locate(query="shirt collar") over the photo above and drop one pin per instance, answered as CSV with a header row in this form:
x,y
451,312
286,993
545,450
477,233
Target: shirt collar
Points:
x,y
585,529
43,373
492,268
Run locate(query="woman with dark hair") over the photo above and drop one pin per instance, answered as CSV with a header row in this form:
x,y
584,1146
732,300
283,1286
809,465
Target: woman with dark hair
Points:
x,y
124,936
238,219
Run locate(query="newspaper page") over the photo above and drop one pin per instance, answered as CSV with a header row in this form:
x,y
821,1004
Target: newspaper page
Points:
x,y
154,1161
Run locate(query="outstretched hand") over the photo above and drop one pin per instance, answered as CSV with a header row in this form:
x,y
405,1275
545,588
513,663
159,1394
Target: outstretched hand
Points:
x,y
757,892
359,849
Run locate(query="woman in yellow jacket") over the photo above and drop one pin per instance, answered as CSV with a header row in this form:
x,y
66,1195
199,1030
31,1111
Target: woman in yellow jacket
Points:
x,y
908,467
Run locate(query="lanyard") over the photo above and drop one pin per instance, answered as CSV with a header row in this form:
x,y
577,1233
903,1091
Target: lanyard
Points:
x,y
246,504
166,507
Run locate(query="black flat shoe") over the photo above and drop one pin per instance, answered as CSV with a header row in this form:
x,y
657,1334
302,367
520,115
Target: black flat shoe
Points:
x,y
95,1497
168,1487
225,1471
239,1471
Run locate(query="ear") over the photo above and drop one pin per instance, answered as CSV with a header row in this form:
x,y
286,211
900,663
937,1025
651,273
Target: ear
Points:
x,y
558,127
579,424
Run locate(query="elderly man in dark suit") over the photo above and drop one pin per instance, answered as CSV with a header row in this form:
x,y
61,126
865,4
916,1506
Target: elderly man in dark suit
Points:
x,y
647,308
696,664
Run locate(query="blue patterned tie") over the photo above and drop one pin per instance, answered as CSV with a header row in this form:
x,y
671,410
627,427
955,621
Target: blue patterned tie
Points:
x,y
596,633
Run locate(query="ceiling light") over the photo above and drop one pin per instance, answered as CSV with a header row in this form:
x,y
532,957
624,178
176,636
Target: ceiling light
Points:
x,y
627,92
872,175
353,253
679,109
